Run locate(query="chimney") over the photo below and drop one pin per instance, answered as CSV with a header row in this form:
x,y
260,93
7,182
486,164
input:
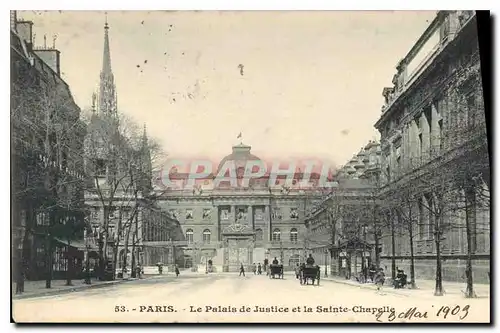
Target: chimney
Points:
x,y
51,57
25,30
13,20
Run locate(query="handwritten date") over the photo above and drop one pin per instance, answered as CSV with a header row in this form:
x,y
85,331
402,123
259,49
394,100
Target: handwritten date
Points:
x,y
444,312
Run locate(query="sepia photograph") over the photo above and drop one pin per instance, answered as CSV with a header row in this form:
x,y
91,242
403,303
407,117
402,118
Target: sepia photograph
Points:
x,y
232,166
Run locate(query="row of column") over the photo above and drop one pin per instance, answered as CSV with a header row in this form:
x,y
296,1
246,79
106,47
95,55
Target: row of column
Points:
x,y
250,219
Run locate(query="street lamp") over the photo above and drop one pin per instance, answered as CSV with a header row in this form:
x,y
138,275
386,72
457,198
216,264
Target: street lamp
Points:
x,y
326,259
206,264
87,268
364,251
267,258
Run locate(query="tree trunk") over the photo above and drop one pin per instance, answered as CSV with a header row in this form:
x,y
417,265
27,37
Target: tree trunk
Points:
x,y
333,234
26,262
115,256
105,239
377,246
393,250
48,261
413,284
470,218
439,277
125,250
69,273
100,267
132,264
117,244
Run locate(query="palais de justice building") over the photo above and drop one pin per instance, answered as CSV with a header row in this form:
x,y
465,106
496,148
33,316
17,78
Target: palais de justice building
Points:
x,y
233,225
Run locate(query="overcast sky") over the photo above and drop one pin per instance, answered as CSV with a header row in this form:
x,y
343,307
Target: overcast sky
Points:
x,y
311,83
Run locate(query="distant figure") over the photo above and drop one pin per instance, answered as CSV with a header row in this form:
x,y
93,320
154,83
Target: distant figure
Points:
x,y
259,269
266,263
372,273
380,278
254,269
177,271
275,261
297,271
138,271
242,270
160,269
310,260
20,275
401,279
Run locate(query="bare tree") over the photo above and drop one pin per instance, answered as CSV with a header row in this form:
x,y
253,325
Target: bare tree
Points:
x,y
119,160
47,136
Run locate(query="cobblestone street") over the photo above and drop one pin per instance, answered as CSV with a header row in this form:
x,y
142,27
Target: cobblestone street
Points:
x,y
220,298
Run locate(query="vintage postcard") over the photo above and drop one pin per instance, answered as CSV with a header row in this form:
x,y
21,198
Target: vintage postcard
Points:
x,y
250,167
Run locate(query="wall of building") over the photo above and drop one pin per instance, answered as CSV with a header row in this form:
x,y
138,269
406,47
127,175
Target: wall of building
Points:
x,y
38,94
429,129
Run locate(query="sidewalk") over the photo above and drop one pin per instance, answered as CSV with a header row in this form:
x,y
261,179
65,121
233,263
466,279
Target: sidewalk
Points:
x,y
424,288
58,287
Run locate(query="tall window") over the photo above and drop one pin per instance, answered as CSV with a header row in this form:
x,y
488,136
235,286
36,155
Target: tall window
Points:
x,y
440,131
276,235
100,166
420,144
398,159
259,235
206,236
189,236
294,235
471,108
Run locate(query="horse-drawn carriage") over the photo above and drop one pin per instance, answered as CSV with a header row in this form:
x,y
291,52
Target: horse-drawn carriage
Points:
x,y
275,271
309,273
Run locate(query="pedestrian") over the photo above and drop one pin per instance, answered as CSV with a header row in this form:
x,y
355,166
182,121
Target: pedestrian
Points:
x,y
259,269
160,269
20,278
242,270
177,271
380,279
138,271
254,269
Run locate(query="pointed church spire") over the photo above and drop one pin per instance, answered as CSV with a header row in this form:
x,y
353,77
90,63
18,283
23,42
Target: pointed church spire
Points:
x,y
144,133
94,98
107,89
106,60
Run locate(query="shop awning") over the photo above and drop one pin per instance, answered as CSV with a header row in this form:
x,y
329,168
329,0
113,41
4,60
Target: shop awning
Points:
x,y
78,244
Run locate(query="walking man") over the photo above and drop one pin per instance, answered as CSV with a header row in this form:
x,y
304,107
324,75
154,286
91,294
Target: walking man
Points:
x,y
242,270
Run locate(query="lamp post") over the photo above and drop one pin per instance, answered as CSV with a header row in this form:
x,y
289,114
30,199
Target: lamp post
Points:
x,y
326,265
281,251
364,251
87,268
267,257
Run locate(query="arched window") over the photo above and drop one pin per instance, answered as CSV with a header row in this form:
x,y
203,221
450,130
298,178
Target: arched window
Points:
x,y
189,236
259,235
276,235
206,236
294,235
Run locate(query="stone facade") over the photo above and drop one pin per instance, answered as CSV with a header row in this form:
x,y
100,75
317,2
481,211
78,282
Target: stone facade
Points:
x,y
270,218
341,227
46,162
434,151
